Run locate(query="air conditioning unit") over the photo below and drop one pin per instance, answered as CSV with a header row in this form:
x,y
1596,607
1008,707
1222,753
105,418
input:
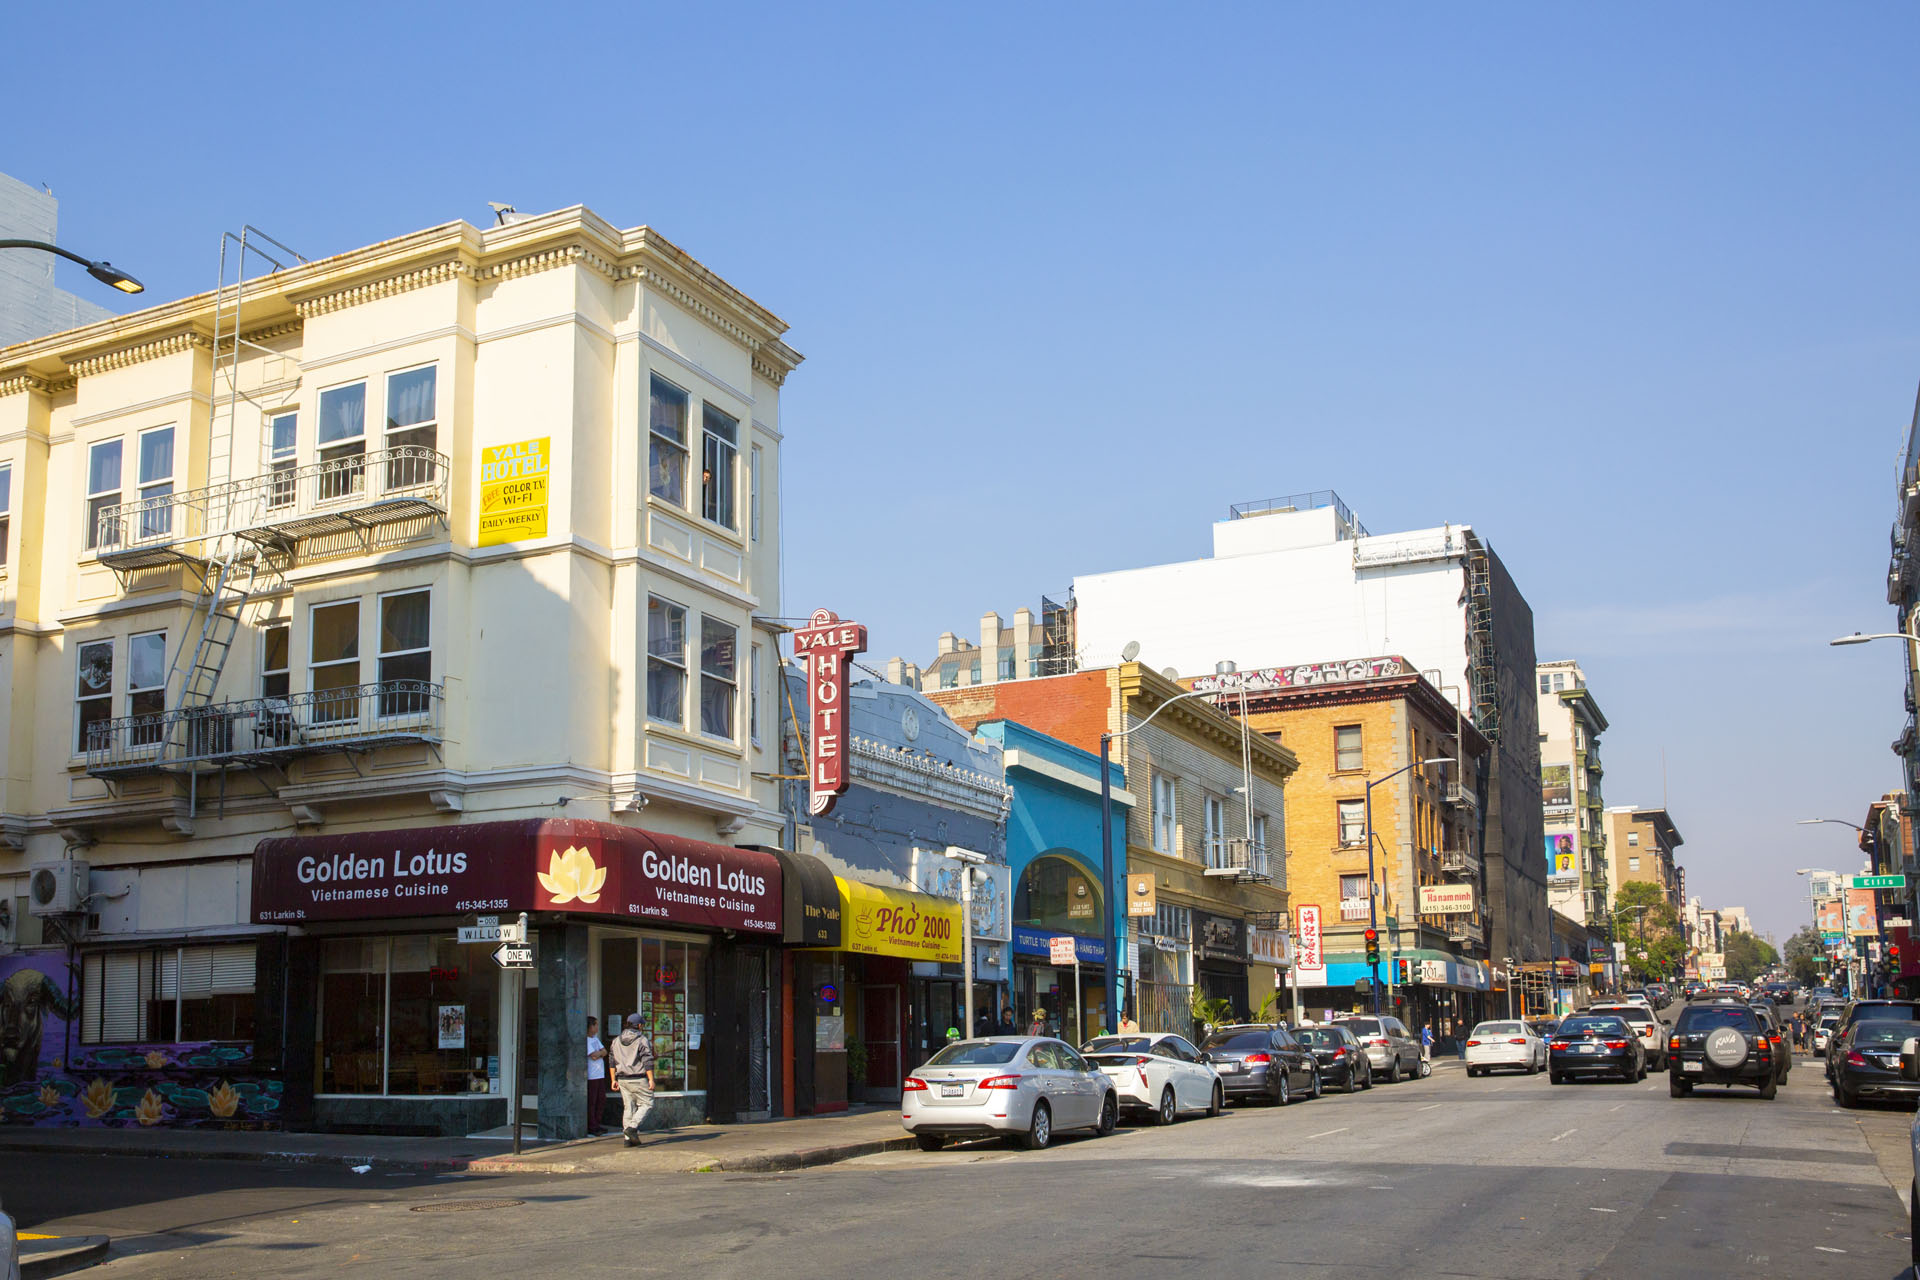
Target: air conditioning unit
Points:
x,y
58,888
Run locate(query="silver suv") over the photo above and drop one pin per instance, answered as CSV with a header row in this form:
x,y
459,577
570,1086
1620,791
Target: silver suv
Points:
x,y
1392,1050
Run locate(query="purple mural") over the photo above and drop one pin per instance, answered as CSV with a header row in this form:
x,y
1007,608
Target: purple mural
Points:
x,y
48,1078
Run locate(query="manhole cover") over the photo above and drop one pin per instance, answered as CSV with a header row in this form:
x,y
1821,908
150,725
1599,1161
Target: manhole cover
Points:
x,y
769,1177
463,1206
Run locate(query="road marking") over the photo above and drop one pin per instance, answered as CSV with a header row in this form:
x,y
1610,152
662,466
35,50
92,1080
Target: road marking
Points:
x,y
1568,1134
1594,1208
1823,1249
1430,1106
1328,1134
1616,1107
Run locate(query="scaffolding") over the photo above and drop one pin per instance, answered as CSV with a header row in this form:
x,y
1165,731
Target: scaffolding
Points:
x,y
1059,654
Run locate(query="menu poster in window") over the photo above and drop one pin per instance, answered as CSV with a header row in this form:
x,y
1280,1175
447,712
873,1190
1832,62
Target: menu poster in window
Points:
x,y
696,1028
453,1026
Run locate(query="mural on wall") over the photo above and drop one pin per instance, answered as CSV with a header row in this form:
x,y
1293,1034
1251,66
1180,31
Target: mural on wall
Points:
x,y
48,1078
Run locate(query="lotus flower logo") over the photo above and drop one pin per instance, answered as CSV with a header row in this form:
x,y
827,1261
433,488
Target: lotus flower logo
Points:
x,y
156,1059
223,1101
572,876
150,1111
98,1097
49,1096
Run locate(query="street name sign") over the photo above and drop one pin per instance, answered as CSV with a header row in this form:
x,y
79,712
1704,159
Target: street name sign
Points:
x,y
1877,882
492,933
509,956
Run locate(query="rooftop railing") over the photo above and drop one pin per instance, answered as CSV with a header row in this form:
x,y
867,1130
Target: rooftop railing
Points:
x,y
351,718
1313,501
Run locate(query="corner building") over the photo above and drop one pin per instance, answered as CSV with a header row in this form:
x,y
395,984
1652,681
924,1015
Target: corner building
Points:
x,y
465,529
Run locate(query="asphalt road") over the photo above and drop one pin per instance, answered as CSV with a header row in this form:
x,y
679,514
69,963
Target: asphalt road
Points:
x,y
1501,1177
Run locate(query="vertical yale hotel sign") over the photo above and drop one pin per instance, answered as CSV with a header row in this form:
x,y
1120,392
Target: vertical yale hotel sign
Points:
x,y
827,644
513,491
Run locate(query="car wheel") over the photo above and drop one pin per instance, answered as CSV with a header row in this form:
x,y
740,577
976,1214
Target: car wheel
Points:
x,y
1219,1102
1284,1093
1678,1088
1472,1072
1040,1131
1642,1073
1769,1089
1393,1070
1109,1116
929,1141
1167,1111
1366,1075
1842,1097
1557,1078
1426,1068
1318,1087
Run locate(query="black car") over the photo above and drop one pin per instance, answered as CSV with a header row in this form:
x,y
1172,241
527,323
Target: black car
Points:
x,y
1343,1060
1868,1062
1867,1011
1261,1060
1595,1046
1725,1043
1777,1038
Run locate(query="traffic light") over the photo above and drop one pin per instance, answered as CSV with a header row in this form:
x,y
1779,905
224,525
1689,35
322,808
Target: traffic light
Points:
x,y
1403,972
1373,946
1893,952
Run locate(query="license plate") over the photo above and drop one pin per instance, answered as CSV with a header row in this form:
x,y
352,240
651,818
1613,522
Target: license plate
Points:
x,y
1586,1048
1230,1068
952,1089
1693,1066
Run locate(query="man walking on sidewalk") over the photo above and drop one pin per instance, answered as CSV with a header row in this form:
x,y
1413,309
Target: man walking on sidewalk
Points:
x,y
633,1075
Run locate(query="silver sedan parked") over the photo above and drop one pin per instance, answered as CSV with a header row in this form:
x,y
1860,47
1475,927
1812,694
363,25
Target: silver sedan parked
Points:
x,y
1026,1088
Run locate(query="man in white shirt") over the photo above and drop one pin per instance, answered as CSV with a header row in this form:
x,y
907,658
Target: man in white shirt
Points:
x,y
596,1080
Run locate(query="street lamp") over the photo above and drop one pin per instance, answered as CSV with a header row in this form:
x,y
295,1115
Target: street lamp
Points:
x,y
968,860
1106,848
1373,911
103,271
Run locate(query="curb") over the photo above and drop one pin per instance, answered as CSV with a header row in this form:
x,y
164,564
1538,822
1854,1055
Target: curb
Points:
x,y
42,1258
785,1160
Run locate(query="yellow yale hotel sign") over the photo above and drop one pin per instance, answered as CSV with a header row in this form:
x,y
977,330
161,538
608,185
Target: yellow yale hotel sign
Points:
x,y
513,491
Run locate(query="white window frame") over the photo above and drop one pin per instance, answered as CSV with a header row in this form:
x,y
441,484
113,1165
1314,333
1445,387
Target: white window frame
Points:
x,y
98,500
80,697
661,445
666,660
6,512
1165,812
267,672
154,524
719,469
753,694
151,734
408,473
1213,817
321,697
1359,749
282,460
1341,811
729,682
1258,852
1353,876
399,704
345,482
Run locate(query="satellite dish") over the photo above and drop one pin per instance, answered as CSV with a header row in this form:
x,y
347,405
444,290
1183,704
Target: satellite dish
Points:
x,y
1171,674
1129,651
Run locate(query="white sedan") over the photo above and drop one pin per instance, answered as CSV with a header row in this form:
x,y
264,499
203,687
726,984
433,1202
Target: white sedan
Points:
x,y
1505,1044
1157,1074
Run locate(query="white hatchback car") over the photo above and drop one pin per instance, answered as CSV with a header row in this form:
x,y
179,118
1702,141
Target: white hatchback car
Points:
x,y
1157,1074
1505,1044
1023,1087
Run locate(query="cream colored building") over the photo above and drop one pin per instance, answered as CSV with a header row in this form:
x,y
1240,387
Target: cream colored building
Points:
x,y
467,526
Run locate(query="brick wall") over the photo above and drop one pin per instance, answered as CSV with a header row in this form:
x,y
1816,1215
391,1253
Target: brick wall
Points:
x,y
1073,708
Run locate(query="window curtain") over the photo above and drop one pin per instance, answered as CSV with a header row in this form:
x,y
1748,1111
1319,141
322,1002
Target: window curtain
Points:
x,y
343,414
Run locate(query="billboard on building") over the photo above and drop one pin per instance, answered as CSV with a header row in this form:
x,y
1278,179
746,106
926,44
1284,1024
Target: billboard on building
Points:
x,y
1563,857
1863,917
1556,786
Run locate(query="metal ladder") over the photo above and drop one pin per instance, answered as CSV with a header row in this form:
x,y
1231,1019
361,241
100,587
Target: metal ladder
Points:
x,y
229,581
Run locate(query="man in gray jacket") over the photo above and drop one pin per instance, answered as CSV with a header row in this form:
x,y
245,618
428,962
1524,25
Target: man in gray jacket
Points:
x,y
633,1075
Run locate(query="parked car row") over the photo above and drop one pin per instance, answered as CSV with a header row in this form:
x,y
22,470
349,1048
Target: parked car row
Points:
x,y
1029,1088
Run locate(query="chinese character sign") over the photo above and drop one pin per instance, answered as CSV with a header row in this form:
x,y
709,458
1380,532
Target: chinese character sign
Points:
x,y
827,645
1311,960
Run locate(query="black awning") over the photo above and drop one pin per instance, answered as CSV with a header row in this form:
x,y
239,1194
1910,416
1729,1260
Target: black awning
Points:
x,y
812,909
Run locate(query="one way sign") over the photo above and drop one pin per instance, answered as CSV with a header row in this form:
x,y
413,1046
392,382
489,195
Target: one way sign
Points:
x,y
509,956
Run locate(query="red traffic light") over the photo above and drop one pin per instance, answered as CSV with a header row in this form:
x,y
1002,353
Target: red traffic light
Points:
x,y
1371,935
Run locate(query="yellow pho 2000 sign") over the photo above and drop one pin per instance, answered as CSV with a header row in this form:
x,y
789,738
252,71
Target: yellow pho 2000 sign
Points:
x,y
513,491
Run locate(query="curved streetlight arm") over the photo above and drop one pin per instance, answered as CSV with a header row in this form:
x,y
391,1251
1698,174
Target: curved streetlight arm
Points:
x,y
103,271
1178,697
1839,822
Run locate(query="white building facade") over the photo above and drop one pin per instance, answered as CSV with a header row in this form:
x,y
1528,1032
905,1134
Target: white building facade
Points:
x,y
1571,722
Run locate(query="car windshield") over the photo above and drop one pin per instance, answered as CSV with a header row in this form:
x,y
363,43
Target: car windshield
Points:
x,y
1703,1018
1498,1029
1829,1019
975,1053
1319,1037
1622,1012
1239,1041
1881,1033
1362,1026
1117,1044
1886,1013
1581,1026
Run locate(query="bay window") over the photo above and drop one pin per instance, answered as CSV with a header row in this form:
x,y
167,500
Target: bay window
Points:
x,y
718,662
156,482
666,661
333,661
103,491
147,687
93,690
406,654
667,441
719,449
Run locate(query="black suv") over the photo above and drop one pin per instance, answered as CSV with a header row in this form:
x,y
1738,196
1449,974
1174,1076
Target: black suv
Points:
x,y
1724,1044
1864,1011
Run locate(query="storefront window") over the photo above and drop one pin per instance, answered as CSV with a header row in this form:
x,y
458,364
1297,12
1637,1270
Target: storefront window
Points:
x,y
1056,894
664,980
413,1015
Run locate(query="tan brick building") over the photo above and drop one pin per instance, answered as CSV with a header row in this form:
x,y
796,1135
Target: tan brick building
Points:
x,y
1349,723
1219,877
1642,843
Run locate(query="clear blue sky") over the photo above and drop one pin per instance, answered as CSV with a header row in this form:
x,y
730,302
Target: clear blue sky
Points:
x,y
1629,288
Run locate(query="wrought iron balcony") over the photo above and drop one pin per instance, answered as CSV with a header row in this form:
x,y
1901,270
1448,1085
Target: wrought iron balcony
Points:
x,y
350,494
1459,930
1460,862
1459,793
1236,858
262,730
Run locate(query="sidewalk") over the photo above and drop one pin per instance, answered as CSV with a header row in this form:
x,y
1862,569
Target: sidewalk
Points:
x,y
759,1147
